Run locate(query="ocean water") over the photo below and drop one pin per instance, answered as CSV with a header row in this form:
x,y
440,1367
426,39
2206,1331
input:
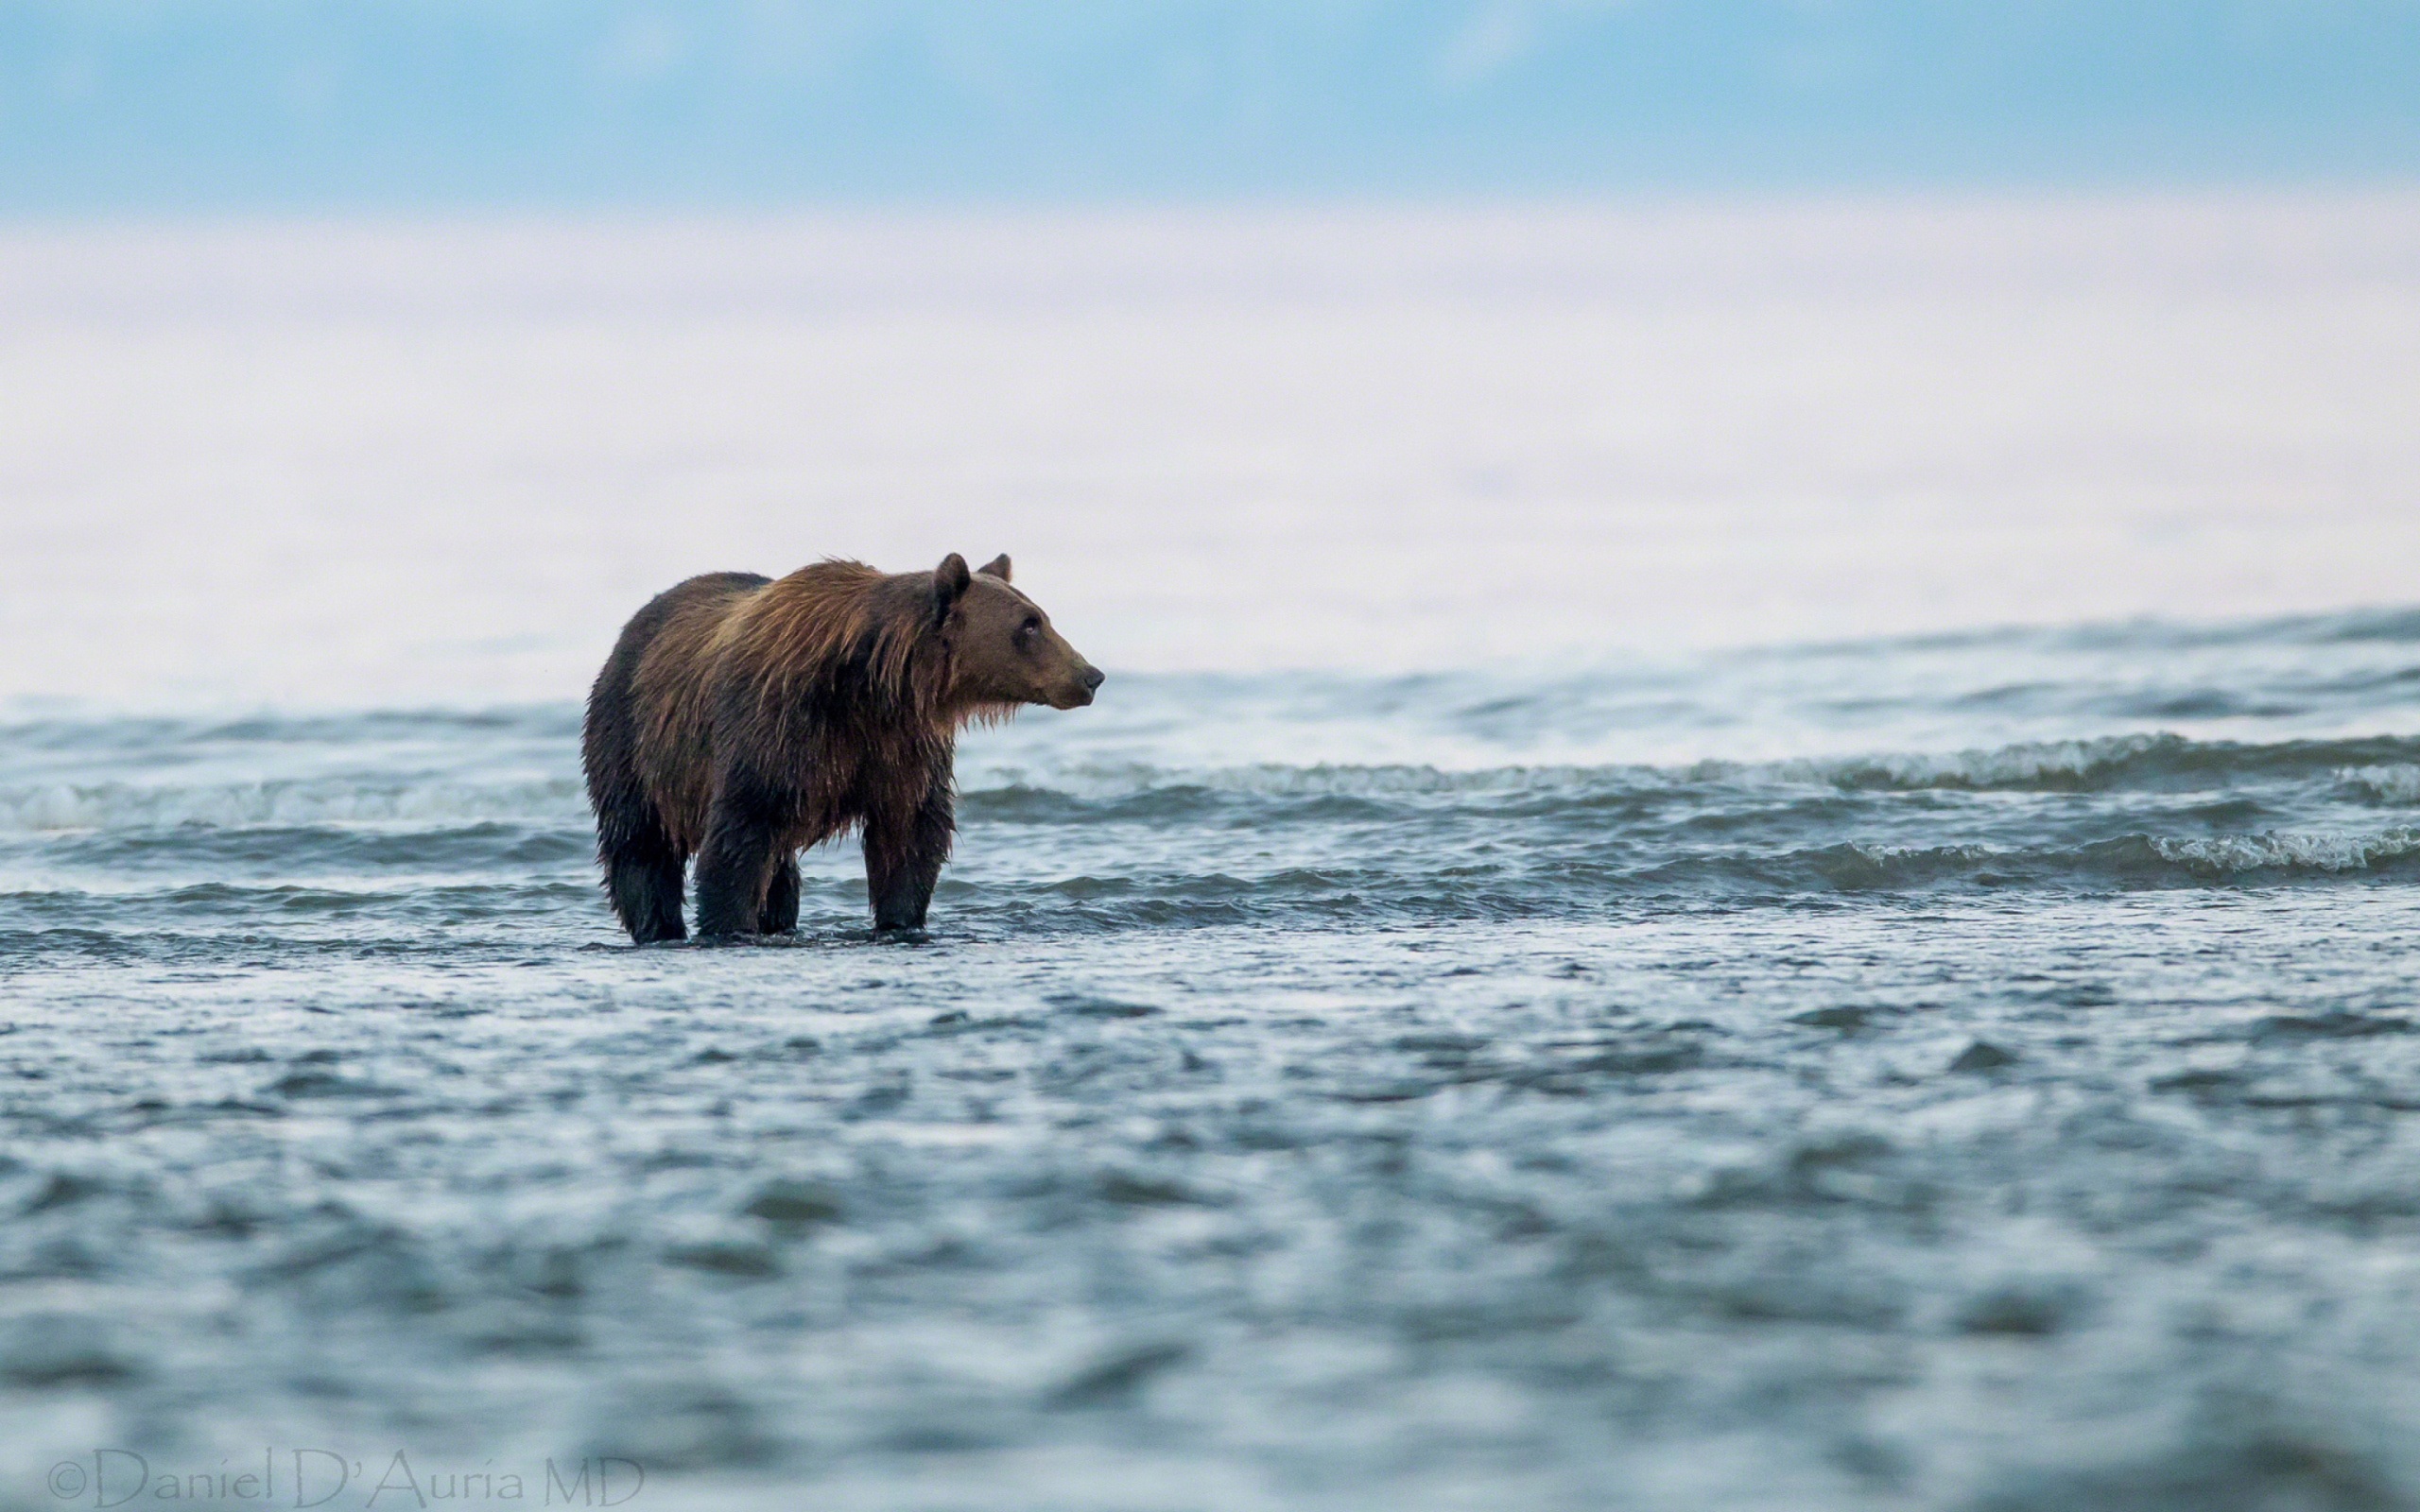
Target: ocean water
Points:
x,y
1736,856
1315,1091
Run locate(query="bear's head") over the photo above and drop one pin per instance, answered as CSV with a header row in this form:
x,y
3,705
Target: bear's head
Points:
x,y
1003,650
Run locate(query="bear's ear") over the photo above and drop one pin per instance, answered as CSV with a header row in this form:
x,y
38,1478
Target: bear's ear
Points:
x,y
997,567
949,581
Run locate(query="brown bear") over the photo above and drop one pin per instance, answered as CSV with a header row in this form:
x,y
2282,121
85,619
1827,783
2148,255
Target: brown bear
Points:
x,y
741,719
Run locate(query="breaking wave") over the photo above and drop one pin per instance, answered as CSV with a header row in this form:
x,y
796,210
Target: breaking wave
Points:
x,y
368,812
2389,767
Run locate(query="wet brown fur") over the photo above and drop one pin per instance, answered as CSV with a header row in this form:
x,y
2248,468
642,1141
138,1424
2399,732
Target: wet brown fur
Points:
x,y
740,720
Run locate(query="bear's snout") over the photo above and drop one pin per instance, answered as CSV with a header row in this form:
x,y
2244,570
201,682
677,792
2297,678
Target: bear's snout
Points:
x,y
1080,692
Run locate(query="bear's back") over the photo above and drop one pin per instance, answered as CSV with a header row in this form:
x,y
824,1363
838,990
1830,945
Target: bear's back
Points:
x,y
673,691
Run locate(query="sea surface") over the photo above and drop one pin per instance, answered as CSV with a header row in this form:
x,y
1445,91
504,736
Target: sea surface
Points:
x,y
1994,1085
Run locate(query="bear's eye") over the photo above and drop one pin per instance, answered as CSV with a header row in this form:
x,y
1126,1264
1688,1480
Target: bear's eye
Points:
x,y
1028,631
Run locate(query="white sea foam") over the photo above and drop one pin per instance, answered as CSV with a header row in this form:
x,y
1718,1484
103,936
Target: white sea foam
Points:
x,y
2042,764
2397,783
2300,852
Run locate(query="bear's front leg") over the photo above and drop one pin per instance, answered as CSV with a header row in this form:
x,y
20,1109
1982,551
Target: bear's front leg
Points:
x,y
903,857
736,865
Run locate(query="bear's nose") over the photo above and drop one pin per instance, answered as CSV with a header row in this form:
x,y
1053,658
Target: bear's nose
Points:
x,y
1095,677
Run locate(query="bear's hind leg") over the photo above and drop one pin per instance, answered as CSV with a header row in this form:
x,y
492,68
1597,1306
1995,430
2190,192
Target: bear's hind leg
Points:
x,y
736,865
781,900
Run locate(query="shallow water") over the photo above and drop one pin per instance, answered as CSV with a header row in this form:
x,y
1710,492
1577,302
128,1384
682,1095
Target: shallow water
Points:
x,y
1968,1071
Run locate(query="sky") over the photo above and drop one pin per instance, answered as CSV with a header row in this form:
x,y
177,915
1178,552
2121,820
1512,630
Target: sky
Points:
x,y
296,462
399,349
167,106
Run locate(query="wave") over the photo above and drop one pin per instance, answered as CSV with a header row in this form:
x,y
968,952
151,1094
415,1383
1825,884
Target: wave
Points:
x,y
381,912
1312,896
399,898
36,808
2393,624
2163,762
2387,768
2378,771
2130,860
488,845
1073,839
2396,785
141,733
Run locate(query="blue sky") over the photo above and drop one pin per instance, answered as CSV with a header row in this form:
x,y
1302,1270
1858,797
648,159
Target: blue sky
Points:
x,y
169,105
